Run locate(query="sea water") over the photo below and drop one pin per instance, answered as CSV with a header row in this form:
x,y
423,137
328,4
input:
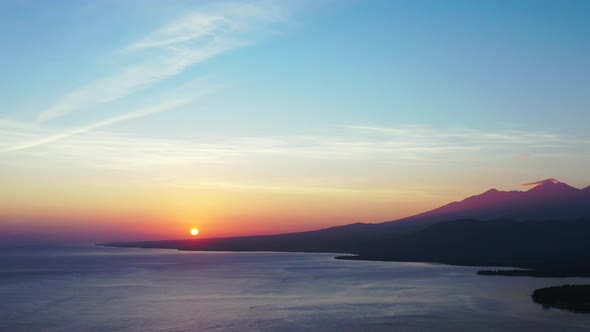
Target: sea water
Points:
x,y
121,289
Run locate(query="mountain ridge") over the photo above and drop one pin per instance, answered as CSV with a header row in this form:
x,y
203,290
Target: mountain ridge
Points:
x,y
547,200
484,207
495,228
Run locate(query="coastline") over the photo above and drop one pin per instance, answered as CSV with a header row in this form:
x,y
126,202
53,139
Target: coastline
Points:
x,y
505,267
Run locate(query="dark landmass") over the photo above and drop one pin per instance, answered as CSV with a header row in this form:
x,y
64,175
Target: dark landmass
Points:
x,y
541,232
551,200
537,249
567,297
541,248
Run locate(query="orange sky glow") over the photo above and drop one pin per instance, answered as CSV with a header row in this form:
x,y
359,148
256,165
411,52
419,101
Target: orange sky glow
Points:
x,y
240,119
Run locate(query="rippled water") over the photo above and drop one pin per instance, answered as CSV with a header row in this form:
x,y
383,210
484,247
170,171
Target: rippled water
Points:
x,y
111,289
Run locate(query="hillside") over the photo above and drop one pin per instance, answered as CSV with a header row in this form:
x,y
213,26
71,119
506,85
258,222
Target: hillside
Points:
x,y
544,229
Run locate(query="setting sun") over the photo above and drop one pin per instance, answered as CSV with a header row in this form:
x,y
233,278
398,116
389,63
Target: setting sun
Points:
x,y
194,231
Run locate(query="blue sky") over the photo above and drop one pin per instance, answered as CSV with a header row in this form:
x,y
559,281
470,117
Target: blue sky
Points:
x,y
380,98
450,63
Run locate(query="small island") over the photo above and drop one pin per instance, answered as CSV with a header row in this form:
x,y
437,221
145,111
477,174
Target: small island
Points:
x,y
567,297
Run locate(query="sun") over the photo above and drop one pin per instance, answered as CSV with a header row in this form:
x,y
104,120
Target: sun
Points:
x,y
194,231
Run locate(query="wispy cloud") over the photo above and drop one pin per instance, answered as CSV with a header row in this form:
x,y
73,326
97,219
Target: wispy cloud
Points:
x,y
538,183
97,125
20,136
225,22
464,135
170,50
350,143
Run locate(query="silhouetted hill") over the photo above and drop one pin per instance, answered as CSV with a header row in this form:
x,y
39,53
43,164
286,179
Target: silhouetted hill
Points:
x,y
339,239
548,247
544,229
547,200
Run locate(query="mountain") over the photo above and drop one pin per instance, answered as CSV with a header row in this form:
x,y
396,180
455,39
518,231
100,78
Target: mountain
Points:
x,y
544,228
546,200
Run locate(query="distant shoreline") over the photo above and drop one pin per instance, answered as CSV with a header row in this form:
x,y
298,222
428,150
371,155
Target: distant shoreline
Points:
x,y
529,248
506,268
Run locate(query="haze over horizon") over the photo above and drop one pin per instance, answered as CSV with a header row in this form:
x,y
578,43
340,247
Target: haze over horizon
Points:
x,y
122,121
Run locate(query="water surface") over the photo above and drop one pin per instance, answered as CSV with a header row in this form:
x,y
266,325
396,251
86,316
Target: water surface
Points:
x,y
121,289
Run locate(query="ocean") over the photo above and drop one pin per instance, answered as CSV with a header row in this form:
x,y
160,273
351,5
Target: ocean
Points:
x,y
91,288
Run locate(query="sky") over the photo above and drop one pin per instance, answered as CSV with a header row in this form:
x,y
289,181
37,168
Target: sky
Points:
x,y
137,120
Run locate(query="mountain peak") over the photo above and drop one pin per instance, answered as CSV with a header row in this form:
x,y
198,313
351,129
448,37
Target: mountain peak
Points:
x,y
550,186
548,199
493,190
542,183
